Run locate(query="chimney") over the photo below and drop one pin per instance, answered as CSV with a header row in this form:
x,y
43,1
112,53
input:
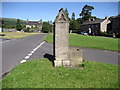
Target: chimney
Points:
x,y
106,17
89,19
93,19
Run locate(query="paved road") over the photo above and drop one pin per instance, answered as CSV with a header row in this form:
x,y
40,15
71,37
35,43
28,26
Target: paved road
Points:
x,y
88,54
101,56
13,51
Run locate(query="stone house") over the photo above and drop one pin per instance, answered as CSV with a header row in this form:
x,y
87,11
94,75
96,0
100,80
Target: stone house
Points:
x,y
116,25
0,29
95,26
0,26
36,26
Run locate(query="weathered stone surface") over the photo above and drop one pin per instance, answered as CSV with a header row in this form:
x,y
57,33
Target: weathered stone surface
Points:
x,y
66,63
57,63
61,32
64,56
75,56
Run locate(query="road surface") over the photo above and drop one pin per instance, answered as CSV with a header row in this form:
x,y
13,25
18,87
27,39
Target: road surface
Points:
x,y
88,54
13,51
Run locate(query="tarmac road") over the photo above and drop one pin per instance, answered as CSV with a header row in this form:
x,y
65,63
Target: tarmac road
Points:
x,y
13,51
88,54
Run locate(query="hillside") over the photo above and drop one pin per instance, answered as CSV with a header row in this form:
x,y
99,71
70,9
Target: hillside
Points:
x,y
10,22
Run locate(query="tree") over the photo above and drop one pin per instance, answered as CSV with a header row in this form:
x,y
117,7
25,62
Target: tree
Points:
x,y
2,25
46,27
40,20
18,25
66,11
79,22
27,29
73,23
86,12
73,16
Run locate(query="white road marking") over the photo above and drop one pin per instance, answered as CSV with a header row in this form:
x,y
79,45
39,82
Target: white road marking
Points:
x,y
34,50
23,61
40,45
30,54
27,57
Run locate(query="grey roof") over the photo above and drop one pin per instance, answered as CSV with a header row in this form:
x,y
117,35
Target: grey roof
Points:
x,y
33,22
93,22
117,16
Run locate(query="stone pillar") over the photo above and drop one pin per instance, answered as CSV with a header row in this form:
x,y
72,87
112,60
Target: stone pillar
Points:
x,y
61,39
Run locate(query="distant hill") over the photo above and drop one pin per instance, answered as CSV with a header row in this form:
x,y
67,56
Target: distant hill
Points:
x,y
10,22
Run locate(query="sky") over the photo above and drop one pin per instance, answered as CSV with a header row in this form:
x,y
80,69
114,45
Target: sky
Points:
x,y
48,10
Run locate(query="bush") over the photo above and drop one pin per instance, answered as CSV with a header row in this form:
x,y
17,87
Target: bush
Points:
x,y
28,30
46,27
105,34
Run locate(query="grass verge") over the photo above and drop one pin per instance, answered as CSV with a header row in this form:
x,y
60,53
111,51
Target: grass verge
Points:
x,y
16,35
89,42
41,74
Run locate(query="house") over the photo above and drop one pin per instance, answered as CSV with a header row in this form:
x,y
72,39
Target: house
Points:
x,y
116,25
0,26
0,29
95,26
36,26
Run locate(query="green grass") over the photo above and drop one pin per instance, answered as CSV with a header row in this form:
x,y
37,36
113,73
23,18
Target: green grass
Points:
x,y
41,74
90,42
15,35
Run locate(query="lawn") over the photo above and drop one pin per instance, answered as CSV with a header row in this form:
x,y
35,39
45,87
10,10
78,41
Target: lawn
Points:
x,y
15,35
90,42
41,74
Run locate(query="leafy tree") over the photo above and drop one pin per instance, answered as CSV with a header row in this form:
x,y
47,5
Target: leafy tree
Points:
x,y
73,16
2,24
26,29
79,22
50,26
46,27
73,23
18,25
66,11
86,12
40,20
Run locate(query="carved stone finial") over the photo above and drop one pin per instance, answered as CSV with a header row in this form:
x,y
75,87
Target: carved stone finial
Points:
x,y
61,17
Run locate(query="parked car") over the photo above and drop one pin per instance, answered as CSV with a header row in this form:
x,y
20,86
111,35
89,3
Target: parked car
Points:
x,y
84,33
